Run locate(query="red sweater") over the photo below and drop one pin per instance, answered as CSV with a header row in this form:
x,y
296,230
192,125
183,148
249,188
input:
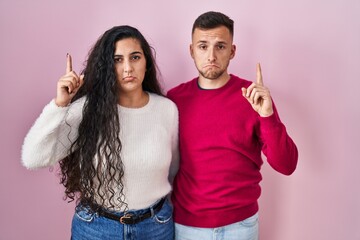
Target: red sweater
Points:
x,y
221,139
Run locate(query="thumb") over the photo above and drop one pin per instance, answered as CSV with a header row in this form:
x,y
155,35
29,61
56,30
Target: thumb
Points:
x,y
243,90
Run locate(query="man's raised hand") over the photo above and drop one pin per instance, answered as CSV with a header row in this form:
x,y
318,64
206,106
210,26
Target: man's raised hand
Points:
x,y
258,95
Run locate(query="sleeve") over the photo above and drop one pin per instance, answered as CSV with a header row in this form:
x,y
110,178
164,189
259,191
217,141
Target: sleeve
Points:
x,y
175,156
277,146
50,137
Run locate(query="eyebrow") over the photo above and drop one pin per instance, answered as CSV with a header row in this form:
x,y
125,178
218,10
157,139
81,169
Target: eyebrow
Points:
x,y
219,42
133,53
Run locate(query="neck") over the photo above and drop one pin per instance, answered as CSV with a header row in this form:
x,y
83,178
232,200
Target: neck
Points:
x,y
133,100
207,83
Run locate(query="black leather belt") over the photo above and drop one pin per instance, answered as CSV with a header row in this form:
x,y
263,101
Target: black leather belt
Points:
x,y
129,218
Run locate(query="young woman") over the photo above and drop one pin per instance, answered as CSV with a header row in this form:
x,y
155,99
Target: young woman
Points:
x,y
116,139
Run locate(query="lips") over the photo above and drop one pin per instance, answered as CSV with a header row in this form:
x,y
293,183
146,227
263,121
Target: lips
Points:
x,y
211,66
128,78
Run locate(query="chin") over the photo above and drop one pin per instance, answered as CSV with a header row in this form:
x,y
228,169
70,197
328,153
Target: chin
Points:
x,y
212,75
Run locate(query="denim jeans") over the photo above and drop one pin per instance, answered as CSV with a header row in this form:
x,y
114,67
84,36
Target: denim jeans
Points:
x,y
91,226
247,229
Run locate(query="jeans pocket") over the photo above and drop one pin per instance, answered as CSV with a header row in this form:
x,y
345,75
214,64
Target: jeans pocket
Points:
x,y
84,214
251,221
165,213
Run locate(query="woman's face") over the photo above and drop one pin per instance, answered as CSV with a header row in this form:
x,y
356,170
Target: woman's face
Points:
x,y
130,65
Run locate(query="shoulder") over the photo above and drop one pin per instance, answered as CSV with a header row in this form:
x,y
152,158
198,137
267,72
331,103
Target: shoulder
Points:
x,y
182,88
165,108
240,81
78,103
162,101
77,106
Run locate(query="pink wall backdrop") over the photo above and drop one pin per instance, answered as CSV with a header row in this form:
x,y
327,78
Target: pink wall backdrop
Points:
x,y
310,55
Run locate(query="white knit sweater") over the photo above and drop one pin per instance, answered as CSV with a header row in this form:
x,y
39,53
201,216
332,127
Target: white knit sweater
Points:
x,y
149,137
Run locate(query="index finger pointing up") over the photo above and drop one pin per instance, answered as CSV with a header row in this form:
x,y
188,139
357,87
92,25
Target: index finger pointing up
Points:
x,y
68,63
259,79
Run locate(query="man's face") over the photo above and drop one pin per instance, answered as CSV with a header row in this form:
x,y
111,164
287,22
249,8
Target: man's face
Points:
x,y
212,50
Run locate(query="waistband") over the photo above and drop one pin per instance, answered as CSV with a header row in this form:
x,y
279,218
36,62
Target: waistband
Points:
x,y
130,218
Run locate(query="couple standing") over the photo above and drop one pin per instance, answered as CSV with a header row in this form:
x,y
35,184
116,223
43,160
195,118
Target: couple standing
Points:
x,y
118,139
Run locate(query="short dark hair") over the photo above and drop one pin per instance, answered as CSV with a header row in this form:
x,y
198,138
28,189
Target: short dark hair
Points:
x,y
212,19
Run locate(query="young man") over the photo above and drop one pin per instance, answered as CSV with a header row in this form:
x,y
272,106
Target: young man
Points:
x,y
225,123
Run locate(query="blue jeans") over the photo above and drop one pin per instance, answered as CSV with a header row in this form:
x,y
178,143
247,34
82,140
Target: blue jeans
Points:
x,y
247,229
91,226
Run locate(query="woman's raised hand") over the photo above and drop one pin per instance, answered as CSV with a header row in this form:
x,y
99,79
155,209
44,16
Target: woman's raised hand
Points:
x,y
68,85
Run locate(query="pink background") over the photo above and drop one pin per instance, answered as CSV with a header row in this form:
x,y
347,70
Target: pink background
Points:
x,y
310,56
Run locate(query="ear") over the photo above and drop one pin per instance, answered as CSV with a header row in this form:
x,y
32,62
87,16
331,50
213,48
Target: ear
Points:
x,y
191,48
233,50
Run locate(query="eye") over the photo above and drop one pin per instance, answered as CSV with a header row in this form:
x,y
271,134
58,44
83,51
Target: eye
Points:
x,y
202,47
220,46
118,59
135,57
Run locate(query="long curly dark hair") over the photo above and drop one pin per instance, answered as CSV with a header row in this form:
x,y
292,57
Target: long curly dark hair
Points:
x,y
93,170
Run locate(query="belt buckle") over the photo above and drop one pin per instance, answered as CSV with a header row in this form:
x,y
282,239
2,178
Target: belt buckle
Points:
x,y
126,217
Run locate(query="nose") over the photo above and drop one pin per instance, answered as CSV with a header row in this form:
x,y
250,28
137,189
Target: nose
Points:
x,y
127,67
211,56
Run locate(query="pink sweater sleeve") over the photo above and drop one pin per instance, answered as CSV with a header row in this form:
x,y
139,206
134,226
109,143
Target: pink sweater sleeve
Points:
x,y
278,147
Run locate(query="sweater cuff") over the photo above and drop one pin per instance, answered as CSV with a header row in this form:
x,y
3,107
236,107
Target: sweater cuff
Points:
x,y
51,108
53,105
270,123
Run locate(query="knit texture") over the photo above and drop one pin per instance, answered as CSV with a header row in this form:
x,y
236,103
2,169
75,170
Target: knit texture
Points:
x,y
221,139
149,137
